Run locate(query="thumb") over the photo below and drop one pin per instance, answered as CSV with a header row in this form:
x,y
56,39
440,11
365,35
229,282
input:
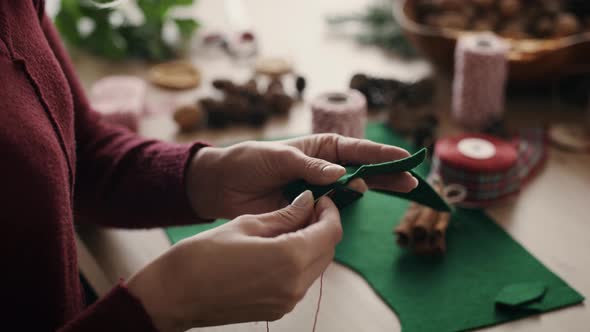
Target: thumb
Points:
x,y
291,218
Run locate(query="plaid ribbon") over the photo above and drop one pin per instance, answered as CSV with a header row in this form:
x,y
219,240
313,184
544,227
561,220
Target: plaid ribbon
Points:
x,y
484,189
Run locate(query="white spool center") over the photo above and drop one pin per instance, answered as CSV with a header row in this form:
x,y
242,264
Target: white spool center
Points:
x,y
476,148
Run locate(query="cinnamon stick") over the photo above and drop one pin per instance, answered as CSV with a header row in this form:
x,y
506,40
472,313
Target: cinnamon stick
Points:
x,y
442,223
424,225
437,238
403,231
423,248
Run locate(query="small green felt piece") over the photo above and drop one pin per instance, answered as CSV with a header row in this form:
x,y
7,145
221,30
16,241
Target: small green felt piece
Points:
x,y
521,294
423,194
451,293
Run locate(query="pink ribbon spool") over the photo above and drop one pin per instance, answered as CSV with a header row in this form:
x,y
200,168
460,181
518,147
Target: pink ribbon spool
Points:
x,y
481,70
119,99
340,113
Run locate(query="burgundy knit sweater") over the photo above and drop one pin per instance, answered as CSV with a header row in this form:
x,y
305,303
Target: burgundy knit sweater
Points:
x,y
59,163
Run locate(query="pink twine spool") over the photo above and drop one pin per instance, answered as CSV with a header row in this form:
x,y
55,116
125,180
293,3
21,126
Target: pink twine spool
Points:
x,y
120,99
481,69
340,113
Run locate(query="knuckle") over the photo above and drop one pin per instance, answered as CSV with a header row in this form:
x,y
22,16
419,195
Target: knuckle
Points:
x,y
288,301
247,223
297,264
275,315
287,153
289,306
285,251
298,292
311,164
287,214
292,259
290,256
331,137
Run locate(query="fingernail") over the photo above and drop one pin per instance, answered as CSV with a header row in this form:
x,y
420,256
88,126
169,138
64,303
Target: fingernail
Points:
x,y
415,185
333,171
304,199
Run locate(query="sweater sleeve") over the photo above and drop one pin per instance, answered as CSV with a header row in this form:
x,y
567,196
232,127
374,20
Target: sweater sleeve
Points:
x,y
123,180
119,310
39,283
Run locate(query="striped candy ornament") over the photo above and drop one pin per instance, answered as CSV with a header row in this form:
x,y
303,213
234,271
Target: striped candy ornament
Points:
x,y
490,180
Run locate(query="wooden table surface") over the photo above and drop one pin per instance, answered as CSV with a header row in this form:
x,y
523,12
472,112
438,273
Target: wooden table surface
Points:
x,y
549,218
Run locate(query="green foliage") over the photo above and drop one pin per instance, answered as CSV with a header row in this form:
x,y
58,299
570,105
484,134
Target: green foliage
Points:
x,y
379,28
118,41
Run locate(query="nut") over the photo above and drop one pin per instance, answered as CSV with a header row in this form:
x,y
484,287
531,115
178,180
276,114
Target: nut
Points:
x,y
188,117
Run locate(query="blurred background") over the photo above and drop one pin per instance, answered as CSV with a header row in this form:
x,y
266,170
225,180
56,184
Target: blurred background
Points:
x,y
324,44
234,70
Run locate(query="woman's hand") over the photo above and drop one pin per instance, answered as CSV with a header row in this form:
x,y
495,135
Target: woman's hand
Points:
x,y
254,268
249,177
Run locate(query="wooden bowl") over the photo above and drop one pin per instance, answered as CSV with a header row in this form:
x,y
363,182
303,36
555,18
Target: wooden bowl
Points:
x,y
530,60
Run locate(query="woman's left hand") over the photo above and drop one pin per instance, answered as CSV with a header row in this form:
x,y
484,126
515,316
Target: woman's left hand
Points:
x,y
248,178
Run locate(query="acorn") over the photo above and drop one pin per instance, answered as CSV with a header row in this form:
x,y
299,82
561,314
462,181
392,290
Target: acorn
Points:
x,y
188,117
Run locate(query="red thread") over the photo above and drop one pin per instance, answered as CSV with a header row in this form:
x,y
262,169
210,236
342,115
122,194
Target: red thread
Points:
x,y
317,310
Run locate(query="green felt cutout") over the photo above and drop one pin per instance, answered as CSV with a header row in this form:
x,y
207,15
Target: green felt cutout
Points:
x,y
521,294
423,194
395,166
449,293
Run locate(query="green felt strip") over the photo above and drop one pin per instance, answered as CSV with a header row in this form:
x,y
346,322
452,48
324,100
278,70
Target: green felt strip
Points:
x,y
450,293
423,194
521,294
395,166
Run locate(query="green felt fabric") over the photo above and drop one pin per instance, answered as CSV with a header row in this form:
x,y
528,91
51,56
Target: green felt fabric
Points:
x,y
423,193
521,294
450,293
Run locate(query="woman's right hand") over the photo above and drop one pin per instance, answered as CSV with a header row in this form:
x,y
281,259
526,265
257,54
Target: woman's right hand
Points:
x,y
254,268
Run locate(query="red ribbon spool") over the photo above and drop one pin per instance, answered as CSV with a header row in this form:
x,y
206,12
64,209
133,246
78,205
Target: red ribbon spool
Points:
x,y
486,166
